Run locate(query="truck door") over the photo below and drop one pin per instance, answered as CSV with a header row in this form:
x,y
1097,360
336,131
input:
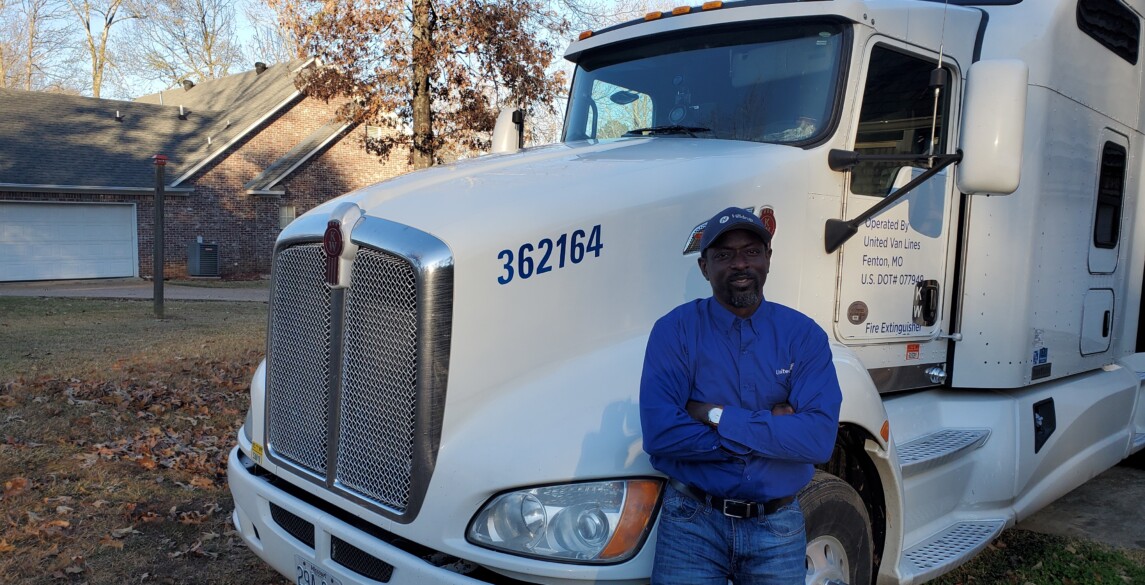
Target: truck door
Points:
x,y
895,274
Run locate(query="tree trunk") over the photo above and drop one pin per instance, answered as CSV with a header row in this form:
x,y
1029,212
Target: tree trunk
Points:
x,y
423,149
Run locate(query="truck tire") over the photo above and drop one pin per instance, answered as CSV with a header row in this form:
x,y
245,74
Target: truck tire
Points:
x,y
839,541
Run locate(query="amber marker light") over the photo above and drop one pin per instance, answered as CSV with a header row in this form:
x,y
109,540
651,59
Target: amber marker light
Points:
x,y
584,35
677,11
653,15
885,432
711,5
635,519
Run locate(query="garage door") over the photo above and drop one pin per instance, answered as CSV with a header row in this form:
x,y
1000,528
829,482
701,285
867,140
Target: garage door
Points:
x,y
55,241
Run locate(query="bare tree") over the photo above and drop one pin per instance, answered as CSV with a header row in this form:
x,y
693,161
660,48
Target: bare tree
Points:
x,y
435,72
34,36
96,18
271,42
176,40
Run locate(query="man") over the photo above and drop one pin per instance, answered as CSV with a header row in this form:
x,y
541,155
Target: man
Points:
x,y
738,400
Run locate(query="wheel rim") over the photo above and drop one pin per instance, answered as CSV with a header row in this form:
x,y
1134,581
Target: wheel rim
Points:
x,y
827,561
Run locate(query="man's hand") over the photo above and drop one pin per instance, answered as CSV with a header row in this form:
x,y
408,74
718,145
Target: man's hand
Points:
x,y
699,410
781,409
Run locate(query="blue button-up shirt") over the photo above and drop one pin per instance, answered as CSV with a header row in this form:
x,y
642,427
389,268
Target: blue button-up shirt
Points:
x,y
701,351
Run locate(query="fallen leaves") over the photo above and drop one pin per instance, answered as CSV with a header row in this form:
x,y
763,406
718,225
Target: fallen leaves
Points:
x,y
15,486
134,467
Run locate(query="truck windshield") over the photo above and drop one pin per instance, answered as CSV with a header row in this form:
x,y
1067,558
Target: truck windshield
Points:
x,y
769,82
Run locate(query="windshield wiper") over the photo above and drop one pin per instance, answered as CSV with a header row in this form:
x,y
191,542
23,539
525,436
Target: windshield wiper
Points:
x,y
666,130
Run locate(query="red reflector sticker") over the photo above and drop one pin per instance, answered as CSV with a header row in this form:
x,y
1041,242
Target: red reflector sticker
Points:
x,y
912,351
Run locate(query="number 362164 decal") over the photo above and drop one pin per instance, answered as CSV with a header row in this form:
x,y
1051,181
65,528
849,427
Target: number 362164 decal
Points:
x,y
532,260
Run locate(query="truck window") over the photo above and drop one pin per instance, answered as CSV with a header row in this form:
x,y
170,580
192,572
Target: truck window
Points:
x,y
1110,188
761,83
1112,24
898,106
618,110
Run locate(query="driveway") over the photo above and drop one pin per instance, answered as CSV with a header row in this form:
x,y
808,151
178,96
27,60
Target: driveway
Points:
x,y
136,288
1108,508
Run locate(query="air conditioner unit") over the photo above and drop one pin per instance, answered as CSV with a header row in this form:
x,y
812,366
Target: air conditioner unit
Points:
x,y
202,259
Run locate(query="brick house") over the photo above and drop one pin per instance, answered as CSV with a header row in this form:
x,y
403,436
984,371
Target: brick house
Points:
x,y
246,154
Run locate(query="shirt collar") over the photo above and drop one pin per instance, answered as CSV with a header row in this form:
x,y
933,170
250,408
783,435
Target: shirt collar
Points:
x,y
725,320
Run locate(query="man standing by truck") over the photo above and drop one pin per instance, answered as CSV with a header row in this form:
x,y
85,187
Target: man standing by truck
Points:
x,y
738,400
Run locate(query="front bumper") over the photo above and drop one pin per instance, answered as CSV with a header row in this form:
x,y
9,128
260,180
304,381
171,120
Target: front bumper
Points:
x,y
278,542
275,545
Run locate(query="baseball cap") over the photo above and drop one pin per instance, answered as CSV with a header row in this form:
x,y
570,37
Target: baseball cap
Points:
x,y
732,218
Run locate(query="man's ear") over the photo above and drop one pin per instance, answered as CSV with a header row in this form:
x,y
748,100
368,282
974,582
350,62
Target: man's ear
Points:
x,y
703,262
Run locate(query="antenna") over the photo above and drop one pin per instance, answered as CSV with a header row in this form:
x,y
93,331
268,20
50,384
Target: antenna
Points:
x,y
938,80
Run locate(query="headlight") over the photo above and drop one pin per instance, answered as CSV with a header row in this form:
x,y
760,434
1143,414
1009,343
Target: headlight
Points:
x,y
598,522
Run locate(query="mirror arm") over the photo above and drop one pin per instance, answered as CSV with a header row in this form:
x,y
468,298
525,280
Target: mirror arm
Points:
x,y
843,160
836,232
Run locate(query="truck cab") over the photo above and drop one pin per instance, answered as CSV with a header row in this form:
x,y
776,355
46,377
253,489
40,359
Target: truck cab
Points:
x,y
450,393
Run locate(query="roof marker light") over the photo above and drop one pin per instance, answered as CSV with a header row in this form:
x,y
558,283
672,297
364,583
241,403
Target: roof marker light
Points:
x,y
712,5
653,15
677,11
584,35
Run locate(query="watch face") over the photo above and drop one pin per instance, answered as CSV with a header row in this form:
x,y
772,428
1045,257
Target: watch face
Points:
x,y
714,415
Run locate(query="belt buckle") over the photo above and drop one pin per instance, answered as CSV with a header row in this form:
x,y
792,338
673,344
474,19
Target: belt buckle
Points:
x,y
737,509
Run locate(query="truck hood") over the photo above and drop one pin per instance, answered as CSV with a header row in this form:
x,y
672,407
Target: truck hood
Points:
x,y
519,190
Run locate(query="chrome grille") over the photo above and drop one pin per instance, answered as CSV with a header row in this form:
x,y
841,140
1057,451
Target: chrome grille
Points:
x,y
299,365
379,379
357,376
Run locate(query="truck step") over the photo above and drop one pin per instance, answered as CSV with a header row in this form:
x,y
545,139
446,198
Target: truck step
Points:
x,y
1138,442
930,451
948,549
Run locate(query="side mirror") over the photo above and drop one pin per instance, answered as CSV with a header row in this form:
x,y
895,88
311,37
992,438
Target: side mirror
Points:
x,y
509,132
993,127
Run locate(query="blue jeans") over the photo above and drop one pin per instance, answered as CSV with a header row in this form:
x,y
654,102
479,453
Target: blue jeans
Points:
x,y
697,545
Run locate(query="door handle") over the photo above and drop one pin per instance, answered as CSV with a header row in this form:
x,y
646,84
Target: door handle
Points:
x,y
926,303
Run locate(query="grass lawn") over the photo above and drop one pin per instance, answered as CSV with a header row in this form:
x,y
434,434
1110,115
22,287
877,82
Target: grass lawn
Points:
x,y
114,432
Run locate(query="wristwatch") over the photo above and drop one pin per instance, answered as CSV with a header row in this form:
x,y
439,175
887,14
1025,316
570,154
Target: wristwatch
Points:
x,y
714,415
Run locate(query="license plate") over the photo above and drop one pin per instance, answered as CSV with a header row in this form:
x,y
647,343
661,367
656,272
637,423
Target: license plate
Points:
x,y
306,573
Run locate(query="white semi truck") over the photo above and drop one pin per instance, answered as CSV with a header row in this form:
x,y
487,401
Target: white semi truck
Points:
x,y
450,388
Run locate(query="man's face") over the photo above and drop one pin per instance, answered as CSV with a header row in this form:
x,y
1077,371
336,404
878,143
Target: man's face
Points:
x,y
736,265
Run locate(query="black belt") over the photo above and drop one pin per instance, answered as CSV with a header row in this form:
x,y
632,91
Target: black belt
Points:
x,y
732,508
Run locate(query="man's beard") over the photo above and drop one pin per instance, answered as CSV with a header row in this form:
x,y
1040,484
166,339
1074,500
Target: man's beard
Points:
x,y
745,300
748,298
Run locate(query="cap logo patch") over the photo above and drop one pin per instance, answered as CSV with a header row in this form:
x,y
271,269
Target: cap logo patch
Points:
x,y
724,219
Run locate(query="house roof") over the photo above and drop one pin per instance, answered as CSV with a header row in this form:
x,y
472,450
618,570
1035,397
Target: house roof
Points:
x,y
70,143
281,168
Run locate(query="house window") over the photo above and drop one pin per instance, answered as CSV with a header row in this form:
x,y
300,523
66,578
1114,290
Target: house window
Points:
x,y
374,132
286,214
1110,188
1112,24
